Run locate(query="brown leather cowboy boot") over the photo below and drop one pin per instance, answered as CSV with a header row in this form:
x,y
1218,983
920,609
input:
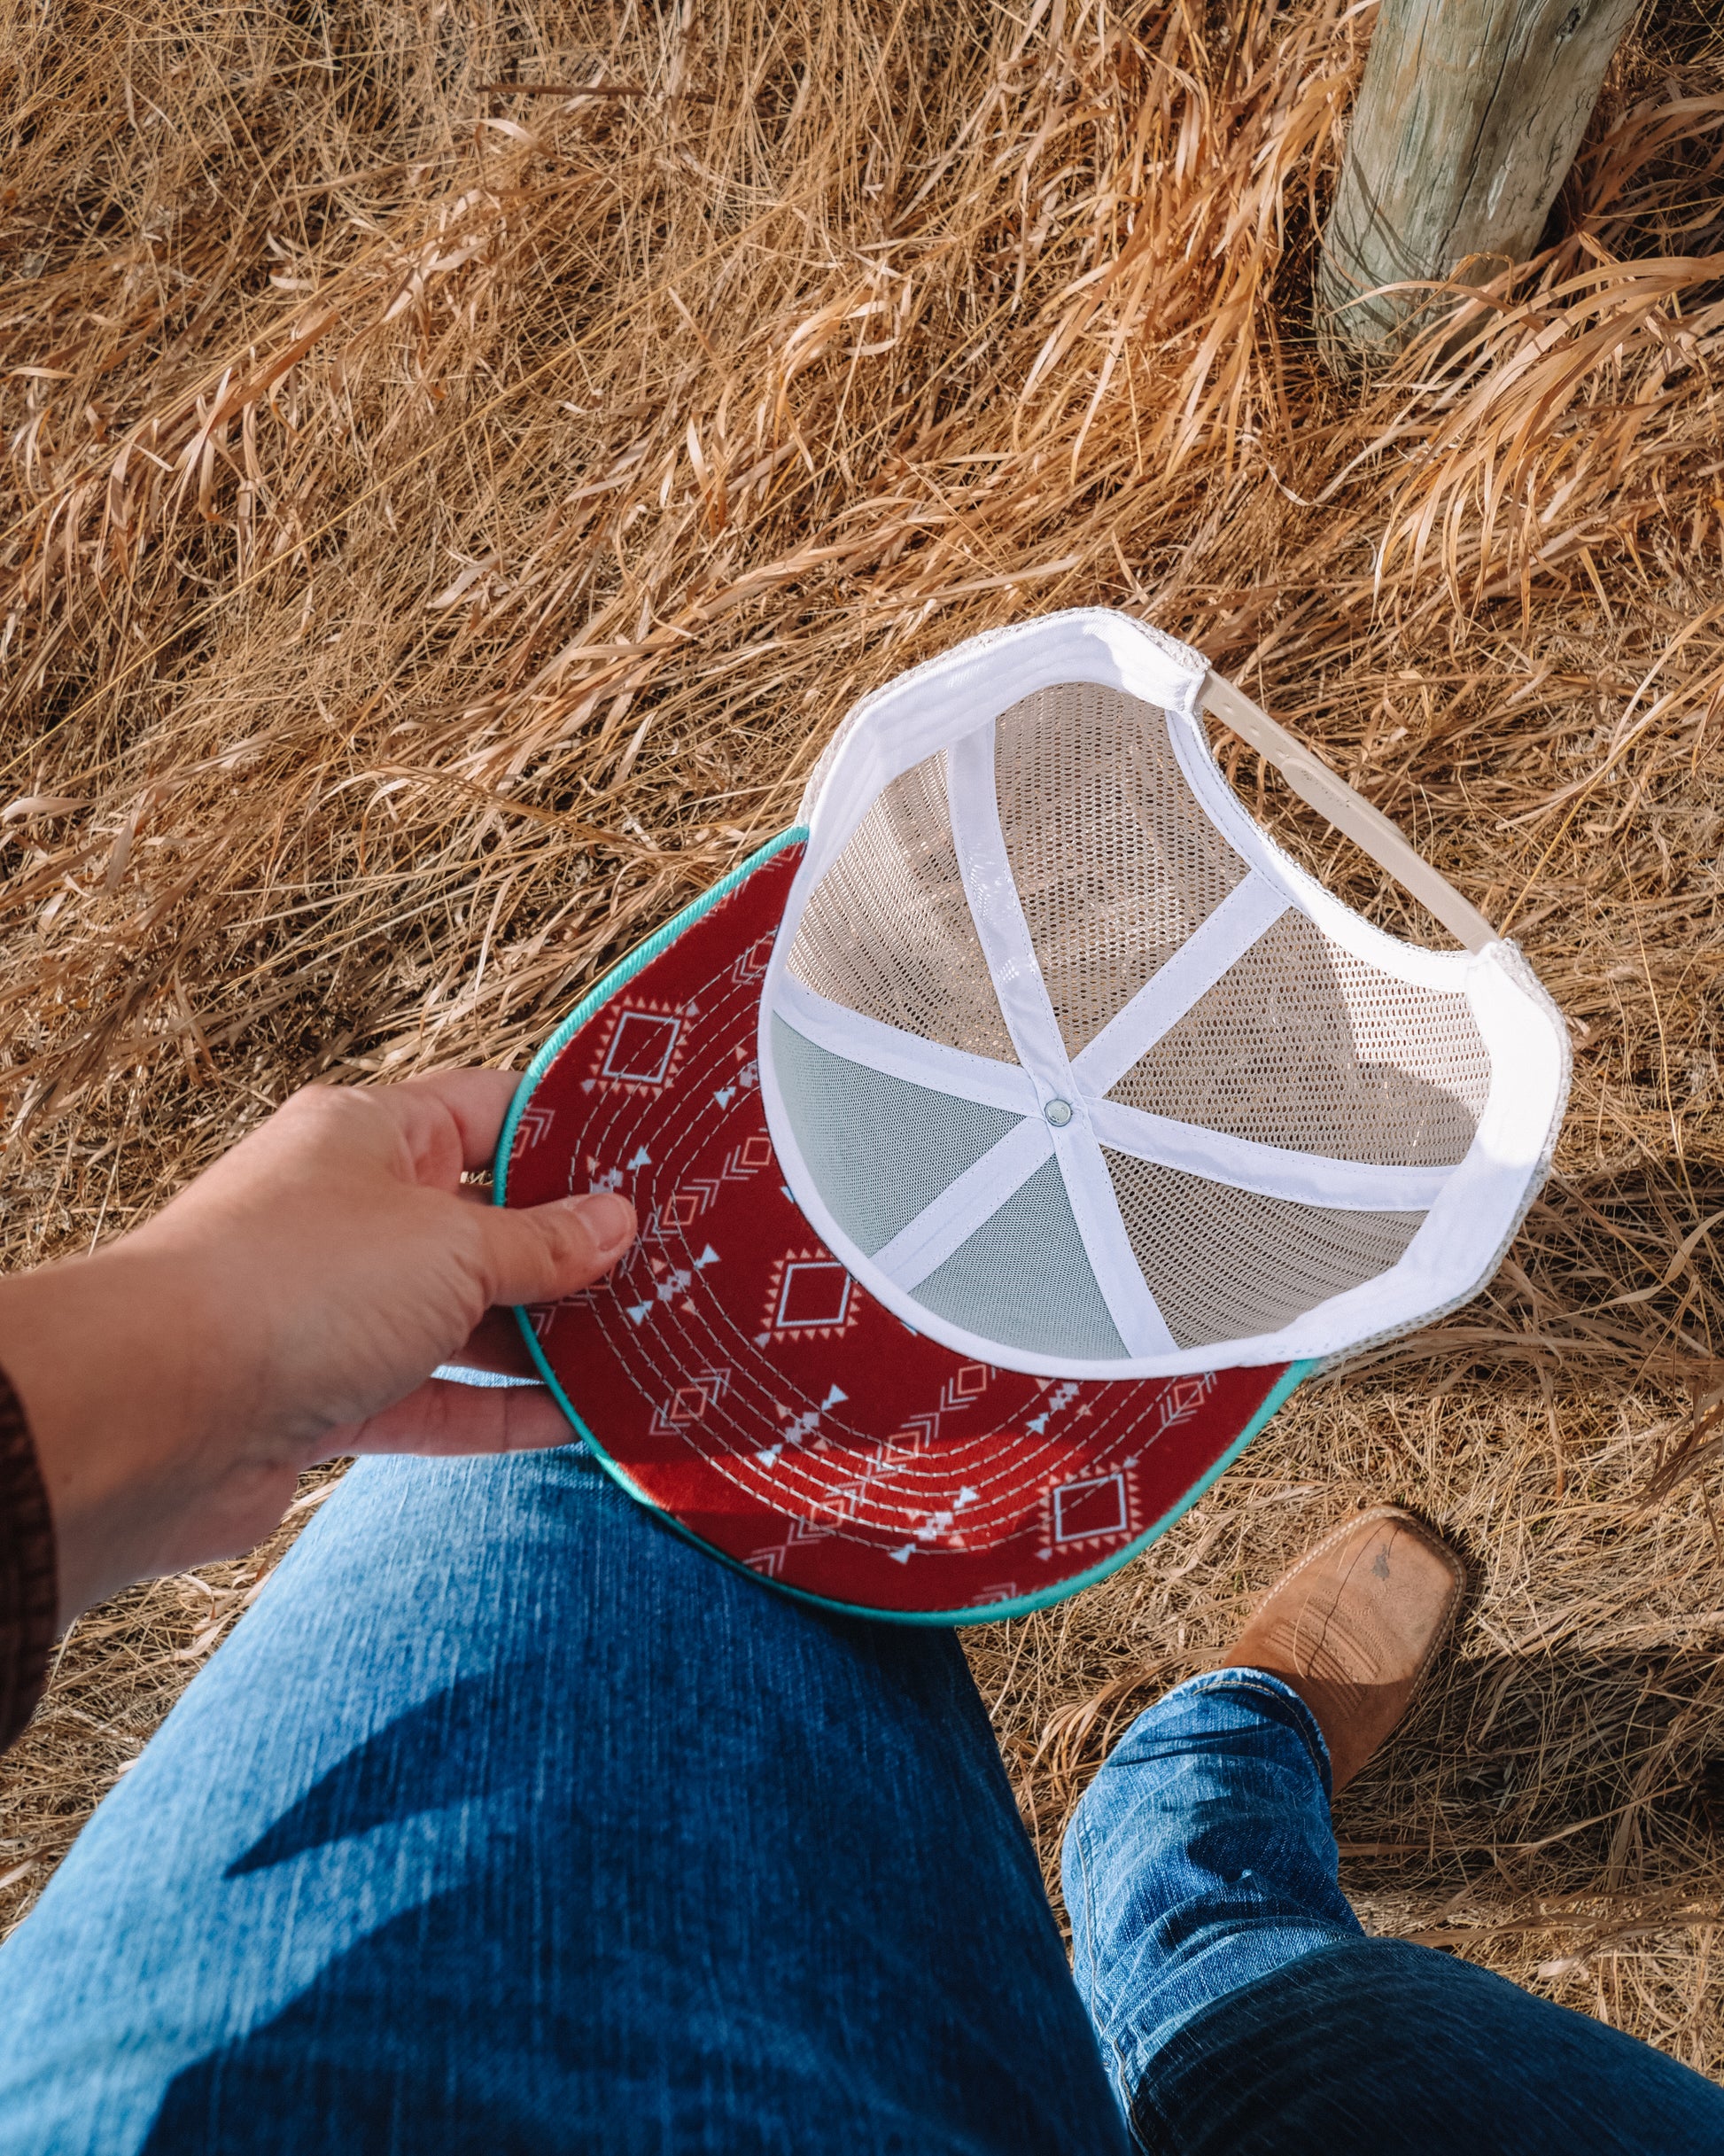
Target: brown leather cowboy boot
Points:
x,y
1354,1627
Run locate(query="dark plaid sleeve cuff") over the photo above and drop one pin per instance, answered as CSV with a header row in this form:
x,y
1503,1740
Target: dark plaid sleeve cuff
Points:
x,y
28,1596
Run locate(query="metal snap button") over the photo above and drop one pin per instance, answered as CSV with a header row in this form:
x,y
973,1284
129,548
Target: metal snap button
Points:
x,y
1058,1113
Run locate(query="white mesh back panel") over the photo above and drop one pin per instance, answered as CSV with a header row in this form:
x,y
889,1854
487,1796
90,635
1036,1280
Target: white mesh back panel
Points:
x,y
1115,863
1301,1044
1078,1069
892,934
1224,1264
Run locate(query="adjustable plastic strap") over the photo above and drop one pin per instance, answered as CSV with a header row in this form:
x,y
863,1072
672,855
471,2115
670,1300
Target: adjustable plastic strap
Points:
x,y
1349,812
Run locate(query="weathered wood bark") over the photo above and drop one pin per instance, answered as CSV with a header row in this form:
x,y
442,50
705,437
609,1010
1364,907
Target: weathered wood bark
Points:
x,y
1467,121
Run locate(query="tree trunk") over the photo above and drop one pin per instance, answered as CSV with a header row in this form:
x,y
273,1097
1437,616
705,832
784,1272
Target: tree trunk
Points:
x,y
1467,121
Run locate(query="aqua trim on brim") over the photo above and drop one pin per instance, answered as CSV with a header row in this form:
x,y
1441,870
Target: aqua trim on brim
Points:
x,y
991,1613
619,977
1023,1605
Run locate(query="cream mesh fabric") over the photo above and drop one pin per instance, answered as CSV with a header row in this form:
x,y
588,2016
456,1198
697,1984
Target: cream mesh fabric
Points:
x,y
1301,1044
1076,1066
1224,1264
892,934
1115,862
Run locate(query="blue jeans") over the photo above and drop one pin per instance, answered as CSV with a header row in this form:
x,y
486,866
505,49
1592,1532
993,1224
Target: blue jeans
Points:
x,y
1200,1859
508,1822
1243,2010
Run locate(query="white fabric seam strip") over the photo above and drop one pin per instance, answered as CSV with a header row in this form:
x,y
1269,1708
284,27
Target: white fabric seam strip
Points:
x,y
973,804
902,1055
1484,1196
972,801
1213,947
1194,1148
1271,1172
922,1246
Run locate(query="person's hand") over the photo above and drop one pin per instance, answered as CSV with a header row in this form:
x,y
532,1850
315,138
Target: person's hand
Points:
x,y
288,1306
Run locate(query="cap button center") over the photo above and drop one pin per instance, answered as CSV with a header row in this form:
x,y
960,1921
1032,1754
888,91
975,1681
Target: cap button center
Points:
x,y
1058,1113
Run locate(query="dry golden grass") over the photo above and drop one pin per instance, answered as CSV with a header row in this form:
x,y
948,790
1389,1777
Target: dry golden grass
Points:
x,y
444,522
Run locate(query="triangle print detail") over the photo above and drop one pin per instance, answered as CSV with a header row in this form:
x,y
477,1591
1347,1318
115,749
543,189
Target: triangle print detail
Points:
x,y
1014,1132
771,1405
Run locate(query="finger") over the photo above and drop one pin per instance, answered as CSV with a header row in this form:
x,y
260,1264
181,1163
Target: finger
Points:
x,y
495,1344
477,1102
438,1418
543,1251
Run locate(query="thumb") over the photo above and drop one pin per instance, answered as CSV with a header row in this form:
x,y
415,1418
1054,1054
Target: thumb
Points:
x,y
544,1251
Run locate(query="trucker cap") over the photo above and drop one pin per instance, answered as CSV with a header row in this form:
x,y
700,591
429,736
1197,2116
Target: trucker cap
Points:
x,y
1011,1135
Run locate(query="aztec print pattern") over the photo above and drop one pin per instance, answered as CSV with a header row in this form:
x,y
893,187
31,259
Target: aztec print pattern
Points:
x,y
737,1377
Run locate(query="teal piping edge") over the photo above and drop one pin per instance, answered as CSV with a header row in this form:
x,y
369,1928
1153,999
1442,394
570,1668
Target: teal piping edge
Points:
x,y
1019,1605
618,978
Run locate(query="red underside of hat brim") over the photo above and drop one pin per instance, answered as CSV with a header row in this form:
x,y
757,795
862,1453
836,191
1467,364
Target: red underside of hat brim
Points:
x,y
737,1378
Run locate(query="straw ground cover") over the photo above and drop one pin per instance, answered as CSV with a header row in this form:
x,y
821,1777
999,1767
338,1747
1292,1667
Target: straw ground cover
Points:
x,y
461,464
